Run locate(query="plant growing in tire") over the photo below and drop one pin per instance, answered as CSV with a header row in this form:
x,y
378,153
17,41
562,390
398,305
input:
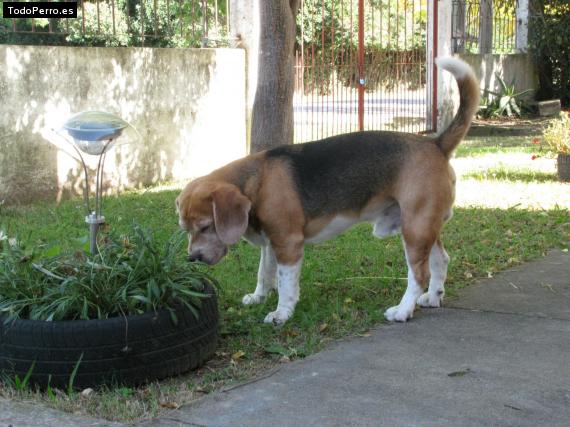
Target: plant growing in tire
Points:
x,y
133,312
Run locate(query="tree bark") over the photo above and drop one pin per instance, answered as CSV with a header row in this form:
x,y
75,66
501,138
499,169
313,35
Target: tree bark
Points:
x,y
486,26
272,117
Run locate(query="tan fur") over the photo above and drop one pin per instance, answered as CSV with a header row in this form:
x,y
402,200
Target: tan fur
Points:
x,y
469,103
424,193
213,209
280,213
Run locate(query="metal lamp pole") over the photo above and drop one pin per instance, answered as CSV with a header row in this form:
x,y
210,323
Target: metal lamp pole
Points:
x,y
94,133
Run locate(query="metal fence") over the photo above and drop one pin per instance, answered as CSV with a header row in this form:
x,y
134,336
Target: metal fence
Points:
x,y
159,23
360,65
484,26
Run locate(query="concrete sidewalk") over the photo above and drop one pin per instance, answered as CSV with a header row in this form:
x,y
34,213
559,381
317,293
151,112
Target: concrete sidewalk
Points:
x,y
498,354
16,414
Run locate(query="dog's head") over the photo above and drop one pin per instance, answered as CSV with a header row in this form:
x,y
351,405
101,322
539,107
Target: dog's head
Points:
x,y
215,215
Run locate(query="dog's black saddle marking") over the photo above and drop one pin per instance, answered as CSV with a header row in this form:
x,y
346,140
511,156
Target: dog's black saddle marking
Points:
x,y
343,172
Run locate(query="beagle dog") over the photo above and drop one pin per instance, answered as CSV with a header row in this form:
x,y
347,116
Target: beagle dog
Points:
x,y
286,197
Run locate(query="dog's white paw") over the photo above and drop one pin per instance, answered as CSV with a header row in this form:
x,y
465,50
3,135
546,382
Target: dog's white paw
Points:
x,y
397,314
428,300
277,317
250,299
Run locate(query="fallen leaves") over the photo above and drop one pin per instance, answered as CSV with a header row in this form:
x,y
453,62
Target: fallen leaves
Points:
x,y
238,355
364,334
461,373
169,405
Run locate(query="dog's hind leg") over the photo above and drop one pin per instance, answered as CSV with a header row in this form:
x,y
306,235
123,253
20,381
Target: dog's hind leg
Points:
x,y
438,262
419,235
266,277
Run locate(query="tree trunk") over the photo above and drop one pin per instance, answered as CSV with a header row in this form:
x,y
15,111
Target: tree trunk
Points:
x,y
272,118
486,26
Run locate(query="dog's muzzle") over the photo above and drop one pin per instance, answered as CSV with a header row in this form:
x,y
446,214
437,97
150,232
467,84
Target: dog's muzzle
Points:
x,y
209,259
197,257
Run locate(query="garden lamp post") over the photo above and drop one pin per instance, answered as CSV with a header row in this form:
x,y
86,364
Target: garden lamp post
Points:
x,y
94,133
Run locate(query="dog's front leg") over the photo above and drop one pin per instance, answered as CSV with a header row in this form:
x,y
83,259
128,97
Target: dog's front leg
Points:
x,y
265,277
288,288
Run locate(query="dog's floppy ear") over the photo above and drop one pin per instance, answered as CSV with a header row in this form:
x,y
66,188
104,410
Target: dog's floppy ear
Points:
x,y
231,211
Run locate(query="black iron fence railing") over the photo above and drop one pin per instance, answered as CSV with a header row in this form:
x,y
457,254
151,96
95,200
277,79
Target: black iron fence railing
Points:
x,y
159,23
484,26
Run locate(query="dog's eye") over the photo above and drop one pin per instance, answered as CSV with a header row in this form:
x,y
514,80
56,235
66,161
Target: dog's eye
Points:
x,y
206,228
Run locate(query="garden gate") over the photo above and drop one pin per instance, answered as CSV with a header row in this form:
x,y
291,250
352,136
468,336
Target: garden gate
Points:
x,y
362,65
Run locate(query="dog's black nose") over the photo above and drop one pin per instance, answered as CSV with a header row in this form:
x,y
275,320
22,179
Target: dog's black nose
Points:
x,y
195,257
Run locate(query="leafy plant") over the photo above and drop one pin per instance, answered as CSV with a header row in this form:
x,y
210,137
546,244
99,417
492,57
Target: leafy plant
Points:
x,y
49,391
128,275
156,23
557,134
22,384
549,42
503,102
73,375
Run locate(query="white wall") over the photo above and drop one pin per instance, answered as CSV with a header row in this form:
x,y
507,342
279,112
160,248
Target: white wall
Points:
x,y
187,104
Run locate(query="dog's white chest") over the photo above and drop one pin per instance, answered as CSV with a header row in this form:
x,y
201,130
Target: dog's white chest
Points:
x,y
336,226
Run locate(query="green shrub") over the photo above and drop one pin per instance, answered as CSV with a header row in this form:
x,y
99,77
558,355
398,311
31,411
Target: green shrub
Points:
x,y
129,275
505,102
557,134
549,39
123,22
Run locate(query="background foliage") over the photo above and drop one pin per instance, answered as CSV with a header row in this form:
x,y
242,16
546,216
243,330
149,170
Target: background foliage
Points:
x,y
549,30
153,23
394,43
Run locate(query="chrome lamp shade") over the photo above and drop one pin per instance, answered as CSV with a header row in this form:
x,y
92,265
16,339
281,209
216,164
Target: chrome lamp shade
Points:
x,y
94,133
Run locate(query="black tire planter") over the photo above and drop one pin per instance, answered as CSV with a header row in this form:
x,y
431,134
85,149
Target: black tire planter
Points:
x,y
563,163
122,350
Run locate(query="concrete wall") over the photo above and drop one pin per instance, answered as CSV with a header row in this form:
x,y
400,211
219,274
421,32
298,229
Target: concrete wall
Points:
x,y
519,67
187,105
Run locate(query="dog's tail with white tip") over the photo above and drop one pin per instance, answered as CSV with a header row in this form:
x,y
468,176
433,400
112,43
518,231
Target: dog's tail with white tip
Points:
x,y
469,102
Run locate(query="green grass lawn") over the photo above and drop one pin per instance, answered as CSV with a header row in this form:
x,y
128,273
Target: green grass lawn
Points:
x,y
501,148
346,284
481,146
502,173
